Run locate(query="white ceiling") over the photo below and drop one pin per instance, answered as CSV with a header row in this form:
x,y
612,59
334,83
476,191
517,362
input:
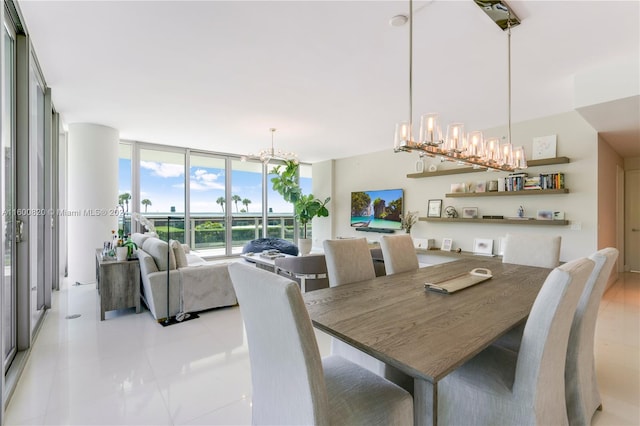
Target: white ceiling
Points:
x,y
331,76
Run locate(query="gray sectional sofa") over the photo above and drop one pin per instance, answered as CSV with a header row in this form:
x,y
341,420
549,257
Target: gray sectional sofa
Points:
x,y
194,284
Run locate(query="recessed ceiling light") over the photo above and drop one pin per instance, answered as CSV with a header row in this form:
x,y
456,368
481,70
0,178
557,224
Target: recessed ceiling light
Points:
x,y
398,20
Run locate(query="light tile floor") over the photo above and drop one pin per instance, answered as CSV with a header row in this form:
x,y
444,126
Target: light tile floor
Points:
x,y
130,370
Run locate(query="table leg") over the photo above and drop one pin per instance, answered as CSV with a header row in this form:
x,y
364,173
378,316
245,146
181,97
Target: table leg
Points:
x,y
425,402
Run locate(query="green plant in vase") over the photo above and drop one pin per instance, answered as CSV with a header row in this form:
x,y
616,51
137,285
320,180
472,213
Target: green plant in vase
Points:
x,y
306,207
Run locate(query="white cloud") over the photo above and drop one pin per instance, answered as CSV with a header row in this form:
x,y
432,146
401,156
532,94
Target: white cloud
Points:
x,y
165,170
202,180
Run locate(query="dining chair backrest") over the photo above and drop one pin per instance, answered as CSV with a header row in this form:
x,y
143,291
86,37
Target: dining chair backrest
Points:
x,y
539,375
313,266
286,367
348,261
582,394
399,253
532,250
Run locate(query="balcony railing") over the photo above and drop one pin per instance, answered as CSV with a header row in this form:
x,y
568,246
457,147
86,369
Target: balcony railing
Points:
x,y
208,230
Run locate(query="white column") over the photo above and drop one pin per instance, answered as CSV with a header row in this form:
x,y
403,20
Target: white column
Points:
x,y
92,195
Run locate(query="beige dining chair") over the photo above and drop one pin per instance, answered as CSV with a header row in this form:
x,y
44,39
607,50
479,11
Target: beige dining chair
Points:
x,y
499,386
348,261
291,383
532,250
310,272
582,394
399,253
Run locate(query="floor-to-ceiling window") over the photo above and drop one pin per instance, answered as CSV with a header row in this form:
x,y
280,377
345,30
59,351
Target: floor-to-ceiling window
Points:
x,y
9,328
36,193
162,184
215,202
305,181
125,191
207,203
279,212
245,195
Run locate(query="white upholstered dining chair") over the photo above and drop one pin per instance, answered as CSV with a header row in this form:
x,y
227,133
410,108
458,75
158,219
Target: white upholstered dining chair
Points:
x,y
499,386
291,383
348,261
582,394
532,250
399,253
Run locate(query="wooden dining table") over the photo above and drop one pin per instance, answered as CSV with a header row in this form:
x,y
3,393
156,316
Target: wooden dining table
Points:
x,y
426,334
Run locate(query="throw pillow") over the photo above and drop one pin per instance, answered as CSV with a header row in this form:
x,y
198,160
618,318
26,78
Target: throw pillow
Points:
x,y
158,249
178,251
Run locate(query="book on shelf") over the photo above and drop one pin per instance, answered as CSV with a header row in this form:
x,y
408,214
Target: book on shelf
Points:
x,y
520,181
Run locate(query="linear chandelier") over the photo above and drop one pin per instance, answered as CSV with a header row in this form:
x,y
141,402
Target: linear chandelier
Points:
x,y
266,155
464,148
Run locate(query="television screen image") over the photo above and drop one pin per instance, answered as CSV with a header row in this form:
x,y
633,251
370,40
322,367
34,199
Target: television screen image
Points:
x,y
377,209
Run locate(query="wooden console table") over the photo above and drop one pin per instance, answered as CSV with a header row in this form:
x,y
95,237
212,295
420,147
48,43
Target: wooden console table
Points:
x,y
118,284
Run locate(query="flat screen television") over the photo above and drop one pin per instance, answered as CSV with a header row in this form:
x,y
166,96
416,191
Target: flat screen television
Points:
x,y
377,209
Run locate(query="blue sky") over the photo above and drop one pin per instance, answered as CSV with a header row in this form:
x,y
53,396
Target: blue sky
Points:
x,y
163,185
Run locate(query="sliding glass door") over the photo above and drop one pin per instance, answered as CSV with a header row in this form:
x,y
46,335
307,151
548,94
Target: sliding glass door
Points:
x,y
162,184
207,204
36,196
9,318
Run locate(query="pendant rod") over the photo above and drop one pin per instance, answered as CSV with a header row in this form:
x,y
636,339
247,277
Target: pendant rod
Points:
x,y
509,75
410,70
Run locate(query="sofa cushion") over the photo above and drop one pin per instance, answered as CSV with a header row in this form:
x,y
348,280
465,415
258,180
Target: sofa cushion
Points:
x,y
195,260
157,249
147,264
139,238
178,251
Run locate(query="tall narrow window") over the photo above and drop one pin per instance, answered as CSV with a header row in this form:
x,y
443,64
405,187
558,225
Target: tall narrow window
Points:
x,y
9,327
305,171
125,187
208,201
162,183
36,195
280,212
245,197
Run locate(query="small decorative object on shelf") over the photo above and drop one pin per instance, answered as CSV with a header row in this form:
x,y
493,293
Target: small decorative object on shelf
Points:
x,y
409,220
447,243
451,212
470,212
520,211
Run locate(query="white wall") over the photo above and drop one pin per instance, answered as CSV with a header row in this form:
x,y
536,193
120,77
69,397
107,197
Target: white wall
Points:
x,y
323,188
385,170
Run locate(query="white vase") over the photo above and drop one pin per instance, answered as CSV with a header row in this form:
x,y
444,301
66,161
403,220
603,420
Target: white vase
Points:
x,y
121,253
304,244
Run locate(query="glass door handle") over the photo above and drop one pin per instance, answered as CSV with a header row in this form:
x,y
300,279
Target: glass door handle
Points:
x,y
19,231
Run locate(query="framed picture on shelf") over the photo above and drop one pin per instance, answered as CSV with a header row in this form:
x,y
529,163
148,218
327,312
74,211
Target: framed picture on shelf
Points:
x,y
469,212
544,215
458,187
481,186
434,208
447,243
544,147
483,246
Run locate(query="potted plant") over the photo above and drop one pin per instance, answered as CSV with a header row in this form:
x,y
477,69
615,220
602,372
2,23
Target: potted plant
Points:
x,y
306,207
